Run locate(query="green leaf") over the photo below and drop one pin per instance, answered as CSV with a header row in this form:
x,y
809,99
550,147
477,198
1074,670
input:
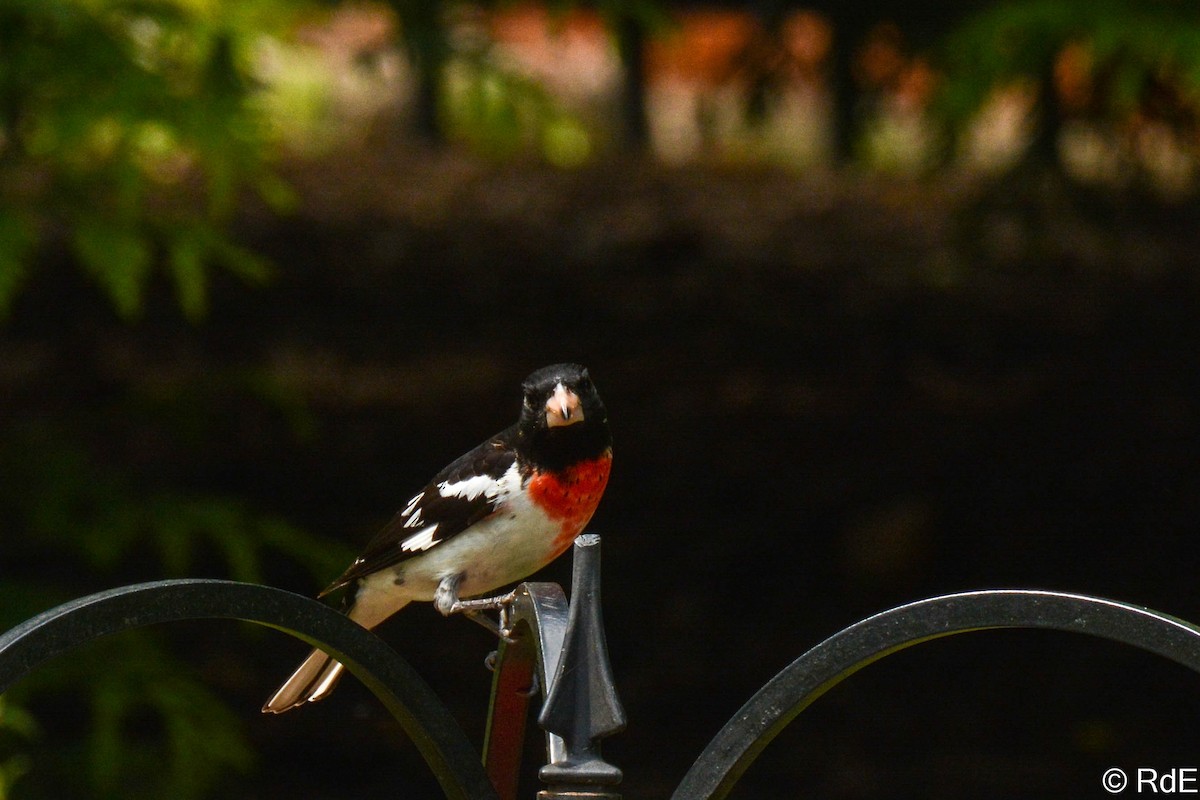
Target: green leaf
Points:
x,y
17,240
133,118
118,258
201,740
246,264
186,261
15,720
11,770
277,193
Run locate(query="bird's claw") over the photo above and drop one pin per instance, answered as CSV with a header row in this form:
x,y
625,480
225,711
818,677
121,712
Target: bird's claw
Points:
x,y
500,629
502,601
473,610
506,625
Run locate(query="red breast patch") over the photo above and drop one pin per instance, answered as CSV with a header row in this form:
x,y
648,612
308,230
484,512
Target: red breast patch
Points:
x,y
572,494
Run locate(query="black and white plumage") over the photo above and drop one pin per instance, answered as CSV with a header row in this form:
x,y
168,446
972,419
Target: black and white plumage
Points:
x,y
492,517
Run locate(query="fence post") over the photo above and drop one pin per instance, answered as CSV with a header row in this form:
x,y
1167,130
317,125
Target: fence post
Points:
x,y
525,663
582,706
566,650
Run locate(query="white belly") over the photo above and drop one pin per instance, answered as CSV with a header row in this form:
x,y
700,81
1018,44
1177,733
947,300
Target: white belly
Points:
x,y
508,546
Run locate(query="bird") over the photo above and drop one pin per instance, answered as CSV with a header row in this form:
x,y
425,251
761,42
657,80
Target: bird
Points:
x,y
491,518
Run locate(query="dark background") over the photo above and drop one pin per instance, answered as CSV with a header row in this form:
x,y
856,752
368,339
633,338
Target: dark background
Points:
x,y
812,424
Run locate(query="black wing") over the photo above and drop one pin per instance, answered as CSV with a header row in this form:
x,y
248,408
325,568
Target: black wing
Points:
x,y
409,534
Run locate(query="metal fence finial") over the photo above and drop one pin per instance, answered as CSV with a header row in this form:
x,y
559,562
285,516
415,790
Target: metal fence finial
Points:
x,y
582,706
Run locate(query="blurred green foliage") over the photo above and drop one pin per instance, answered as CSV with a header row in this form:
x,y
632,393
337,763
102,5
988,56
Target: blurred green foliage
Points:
x,y
81,514
16,725
154,729
497,111
151,728
129,131
1144,56
501,114
76,524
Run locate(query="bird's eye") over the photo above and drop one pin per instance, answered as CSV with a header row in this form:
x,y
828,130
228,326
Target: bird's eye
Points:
x,y
529,401
585,383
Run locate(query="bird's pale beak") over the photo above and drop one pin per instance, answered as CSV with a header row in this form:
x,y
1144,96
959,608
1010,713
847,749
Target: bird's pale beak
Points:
x,y
563,408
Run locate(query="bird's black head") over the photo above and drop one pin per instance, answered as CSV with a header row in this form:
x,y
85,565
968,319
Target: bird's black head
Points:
x,y
562,419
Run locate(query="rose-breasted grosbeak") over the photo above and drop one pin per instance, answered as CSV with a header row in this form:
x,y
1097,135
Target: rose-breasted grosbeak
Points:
x,y
492,517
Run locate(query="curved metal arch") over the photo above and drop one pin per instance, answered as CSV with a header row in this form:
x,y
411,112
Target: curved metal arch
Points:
x,y
403,692
776,704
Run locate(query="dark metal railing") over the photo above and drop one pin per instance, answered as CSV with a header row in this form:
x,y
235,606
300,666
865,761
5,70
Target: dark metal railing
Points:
x,y
424,718
563,652
558,650
799,684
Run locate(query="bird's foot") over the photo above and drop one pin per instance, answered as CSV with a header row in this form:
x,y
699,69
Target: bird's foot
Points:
x,y
474,611
501,602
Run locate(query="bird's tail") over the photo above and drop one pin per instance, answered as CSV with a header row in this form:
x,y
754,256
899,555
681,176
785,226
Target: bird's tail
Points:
x,y
314,679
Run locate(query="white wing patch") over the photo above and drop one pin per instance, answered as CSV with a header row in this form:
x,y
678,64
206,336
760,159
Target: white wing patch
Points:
x,y
408,509
499,490
471,488
421,540
494,489
415,520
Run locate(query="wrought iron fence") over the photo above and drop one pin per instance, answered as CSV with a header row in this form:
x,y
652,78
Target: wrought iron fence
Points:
x,y
558,649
